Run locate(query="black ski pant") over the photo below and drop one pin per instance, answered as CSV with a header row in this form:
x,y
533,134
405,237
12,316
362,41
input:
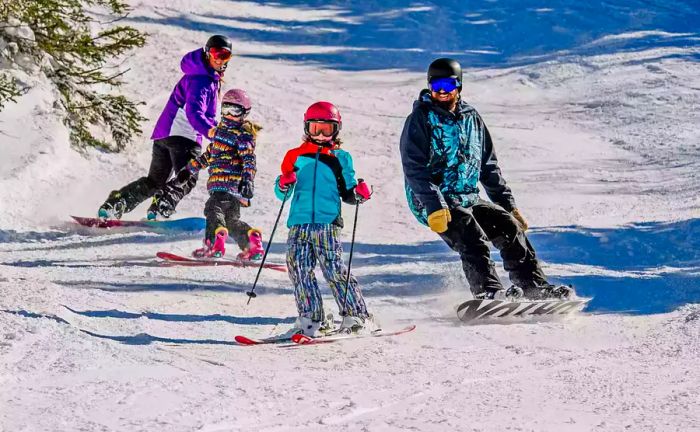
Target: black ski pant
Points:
x,y
469,233
224,210
170,155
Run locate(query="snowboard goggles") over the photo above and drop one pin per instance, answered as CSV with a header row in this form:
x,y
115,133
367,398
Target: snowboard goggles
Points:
x,y
220,53
321,127
444,84
233,110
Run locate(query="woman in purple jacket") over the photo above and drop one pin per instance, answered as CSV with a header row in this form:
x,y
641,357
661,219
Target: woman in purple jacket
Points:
x,y
189,115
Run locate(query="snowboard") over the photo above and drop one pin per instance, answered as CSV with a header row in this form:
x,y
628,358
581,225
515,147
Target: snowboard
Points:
x,y
203,262
475,310
185,224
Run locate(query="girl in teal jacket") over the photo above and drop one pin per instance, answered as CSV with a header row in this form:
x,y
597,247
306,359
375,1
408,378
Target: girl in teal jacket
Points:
x,y
316,176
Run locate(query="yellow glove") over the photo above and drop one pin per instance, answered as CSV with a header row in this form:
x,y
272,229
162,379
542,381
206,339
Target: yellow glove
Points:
x,y
521,220
438,220
211,132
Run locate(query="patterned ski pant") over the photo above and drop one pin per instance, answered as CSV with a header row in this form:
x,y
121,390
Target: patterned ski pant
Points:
x,y
307,244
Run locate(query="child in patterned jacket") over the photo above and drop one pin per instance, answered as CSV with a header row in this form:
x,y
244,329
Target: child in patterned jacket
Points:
x,y
316,176
231,161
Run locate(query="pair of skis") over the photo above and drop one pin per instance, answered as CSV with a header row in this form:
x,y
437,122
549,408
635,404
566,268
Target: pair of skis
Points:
x,y
171,258
300,339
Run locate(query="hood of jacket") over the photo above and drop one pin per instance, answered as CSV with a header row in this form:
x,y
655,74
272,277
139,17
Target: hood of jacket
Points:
x,y
194,63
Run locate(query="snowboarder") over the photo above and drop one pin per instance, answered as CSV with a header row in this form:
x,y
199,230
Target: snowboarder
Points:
x,y
189,115
446,150
319,174
231,161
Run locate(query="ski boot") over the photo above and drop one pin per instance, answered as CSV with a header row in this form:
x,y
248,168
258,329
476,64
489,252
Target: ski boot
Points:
x,y
351,324
113,208
215,250
549,291
160,205
255,250
304,325
513,293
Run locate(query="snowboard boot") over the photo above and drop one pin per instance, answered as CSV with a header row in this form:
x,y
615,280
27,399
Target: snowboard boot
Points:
x,y
513,293
113,207
255,250
161,204
549,291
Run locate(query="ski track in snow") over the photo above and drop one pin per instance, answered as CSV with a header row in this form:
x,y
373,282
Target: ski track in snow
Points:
x,y
598,141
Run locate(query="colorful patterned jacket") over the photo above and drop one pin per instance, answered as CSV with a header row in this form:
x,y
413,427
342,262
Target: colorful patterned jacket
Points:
x,y
325,176
445,156
230,158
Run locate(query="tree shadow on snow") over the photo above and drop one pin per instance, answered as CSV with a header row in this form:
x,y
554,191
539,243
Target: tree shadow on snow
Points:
x,y
179,286
147,339
390,34
114,313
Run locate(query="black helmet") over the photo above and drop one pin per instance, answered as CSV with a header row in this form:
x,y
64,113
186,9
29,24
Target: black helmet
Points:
x,y
218,41
445,68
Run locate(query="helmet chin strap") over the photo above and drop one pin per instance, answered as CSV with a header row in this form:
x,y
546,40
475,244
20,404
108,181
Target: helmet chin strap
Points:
x,y
329,143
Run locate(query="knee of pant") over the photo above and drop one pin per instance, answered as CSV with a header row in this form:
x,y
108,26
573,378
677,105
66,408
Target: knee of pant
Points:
x,y
507,237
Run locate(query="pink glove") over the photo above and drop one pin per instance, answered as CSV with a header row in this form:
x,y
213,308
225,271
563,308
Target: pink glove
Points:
x,y
362,191
286,180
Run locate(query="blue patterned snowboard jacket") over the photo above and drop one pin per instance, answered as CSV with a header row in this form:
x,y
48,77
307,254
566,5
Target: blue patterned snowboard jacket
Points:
x,y
445,155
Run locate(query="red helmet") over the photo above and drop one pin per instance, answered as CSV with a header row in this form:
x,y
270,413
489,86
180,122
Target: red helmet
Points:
x,y
324,111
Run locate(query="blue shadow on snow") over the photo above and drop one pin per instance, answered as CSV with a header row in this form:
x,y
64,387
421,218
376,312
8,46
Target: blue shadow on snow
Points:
x,y
389,34
113,313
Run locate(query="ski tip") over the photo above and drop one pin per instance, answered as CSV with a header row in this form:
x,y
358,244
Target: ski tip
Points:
x,y
301,339
244,340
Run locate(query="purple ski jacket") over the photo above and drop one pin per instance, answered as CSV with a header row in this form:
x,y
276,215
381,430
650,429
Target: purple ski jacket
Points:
x,y
192,108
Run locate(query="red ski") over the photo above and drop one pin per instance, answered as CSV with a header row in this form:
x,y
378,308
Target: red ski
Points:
x,y
272,340
202,262
306,340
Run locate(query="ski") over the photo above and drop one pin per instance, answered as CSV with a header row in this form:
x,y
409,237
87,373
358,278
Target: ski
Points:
x,y
474,310
301,339
243,340
195,262
186,224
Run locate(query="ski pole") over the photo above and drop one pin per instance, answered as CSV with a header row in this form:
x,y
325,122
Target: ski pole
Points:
x,y
352,246
251,293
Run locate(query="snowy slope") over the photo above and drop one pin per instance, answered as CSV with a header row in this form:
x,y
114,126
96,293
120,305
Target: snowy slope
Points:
x,y
593,109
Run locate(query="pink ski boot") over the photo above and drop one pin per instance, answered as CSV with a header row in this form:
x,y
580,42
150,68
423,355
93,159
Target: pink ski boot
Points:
x,y
217,250
255,250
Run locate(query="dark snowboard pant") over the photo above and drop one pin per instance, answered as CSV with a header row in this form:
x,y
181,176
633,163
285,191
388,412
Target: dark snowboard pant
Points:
x,y
170,155
224,210
469,233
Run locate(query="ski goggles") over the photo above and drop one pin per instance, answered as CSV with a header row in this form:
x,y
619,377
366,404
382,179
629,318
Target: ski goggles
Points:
x,y
220,53
444,84
233,110
321,127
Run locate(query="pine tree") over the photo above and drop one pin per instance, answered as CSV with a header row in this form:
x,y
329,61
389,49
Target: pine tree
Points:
x,y
81,53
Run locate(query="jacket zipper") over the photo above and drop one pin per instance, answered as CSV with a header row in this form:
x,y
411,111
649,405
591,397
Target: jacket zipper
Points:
x,y
313,188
